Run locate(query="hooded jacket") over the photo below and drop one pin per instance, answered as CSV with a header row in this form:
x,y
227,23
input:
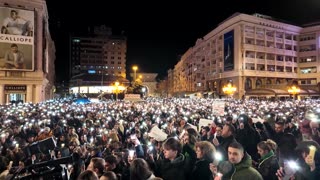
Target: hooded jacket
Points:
x,y
244,170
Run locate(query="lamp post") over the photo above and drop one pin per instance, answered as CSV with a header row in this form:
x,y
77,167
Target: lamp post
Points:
x,y
135,68
116,84
229,89
294,90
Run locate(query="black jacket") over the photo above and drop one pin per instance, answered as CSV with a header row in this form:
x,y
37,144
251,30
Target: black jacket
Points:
x,y
268,167
172,170
201,170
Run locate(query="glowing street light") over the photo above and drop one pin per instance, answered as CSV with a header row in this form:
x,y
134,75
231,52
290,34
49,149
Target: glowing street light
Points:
x,y
135,68
229,89
294,90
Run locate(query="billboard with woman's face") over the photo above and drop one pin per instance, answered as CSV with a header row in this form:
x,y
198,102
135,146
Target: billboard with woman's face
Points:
x,y
16,39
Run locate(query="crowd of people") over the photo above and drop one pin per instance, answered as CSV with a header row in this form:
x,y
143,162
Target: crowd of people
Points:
x,y
161,139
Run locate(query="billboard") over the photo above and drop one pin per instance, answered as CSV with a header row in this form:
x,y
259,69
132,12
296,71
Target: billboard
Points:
x,y
228,51
16,39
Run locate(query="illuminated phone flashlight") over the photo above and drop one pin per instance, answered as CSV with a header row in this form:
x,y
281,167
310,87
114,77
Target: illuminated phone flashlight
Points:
x,y
150,148
218,156
293,165
91,140
62,145
219,174
131,153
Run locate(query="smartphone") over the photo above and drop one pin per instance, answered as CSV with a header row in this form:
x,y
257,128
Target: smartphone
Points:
x,y
290,168
131,154
133,137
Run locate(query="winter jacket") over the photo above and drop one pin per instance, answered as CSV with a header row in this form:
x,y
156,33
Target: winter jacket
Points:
x,y
268,166
172,170
244,170
201,170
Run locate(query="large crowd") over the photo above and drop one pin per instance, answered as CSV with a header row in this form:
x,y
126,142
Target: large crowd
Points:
x,y
170,139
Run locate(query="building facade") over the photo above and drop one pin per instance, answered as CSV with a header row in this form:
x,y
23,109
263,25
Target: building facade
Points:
x,y
148,80
27,52
253,52
97,59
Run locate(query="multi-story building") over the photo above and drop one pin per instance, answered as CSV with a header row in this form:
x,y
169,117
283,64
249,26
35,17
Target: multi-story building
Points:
x,y
97,60
256,53
27,52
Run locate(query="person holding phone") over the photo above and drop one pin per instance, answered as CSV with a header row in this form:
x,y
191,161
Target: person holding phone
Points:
x,y
307,168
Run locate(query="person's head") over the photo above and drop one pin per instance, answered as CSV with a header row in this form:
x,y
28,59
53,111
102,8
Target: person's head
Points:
x,y
279,126
88,175
264,147
235,153
14,14
111,162
97,165
205,130
228,130
139,169
219,130
14,48
205,150
171,148
109,175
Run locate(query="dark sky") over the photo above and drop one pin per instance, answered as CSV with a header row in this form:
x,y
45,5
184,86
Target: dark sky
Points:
x,y
159,31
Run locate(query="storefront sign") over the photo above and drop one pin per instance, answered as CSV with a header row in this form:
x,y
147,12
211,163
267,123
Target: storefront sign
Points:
x,y
15,88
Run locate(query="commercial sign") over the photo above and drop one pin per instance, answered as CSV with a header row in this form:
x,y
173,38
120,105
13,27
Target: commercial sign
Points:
x,y
16,39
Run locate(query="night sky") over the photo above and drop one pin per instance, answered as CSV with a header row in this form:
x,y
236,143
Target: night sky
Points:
x,y
159,31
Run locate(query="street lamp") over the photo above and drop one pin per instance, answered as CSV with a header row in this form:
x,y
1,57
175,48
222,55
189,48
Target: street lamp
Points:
x,y
135,68
116,84
294,90
229,89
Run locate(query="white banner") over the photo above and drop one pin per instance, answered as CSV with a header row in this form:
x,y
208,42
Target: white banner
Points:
x,y
218,108
156,133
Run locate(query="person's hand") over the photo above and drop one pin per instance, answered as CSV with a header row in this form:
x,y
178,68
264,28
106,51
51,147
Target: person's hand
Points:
x,y
280,173
33,157
213,168
310,161
131,159
215,141
16,65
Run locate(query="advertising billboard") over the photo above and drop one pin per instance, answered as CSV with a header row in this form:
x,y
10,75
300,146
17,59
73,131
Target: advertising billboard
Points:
x,y
229,51
16,39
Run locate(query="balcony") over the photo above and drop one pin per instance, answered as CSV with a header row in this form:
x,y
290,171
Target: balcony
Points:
x,y
250,60
249,34
271,62
286,41
279,40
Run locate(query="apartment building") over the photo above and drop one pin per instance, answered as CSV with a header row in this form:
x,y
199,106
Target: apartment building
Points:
x,y
259,55
97,60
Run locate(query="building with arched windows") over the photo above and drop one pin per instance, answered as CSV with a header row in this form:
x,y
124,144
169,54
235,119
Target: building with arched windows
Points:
x,y
259,55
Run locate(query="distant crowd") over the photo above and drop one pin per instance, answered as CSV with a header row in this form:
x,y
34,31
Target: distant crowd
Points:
x,y
170,139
